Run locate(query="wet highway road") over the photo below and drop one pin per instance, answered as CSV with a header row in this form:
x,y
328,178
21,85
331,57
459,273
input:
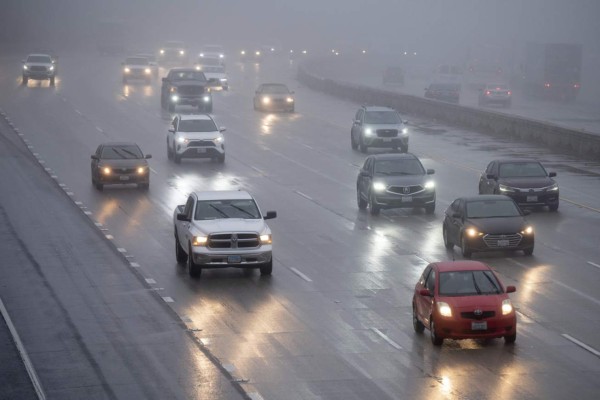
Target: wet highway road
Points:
x,y
334,320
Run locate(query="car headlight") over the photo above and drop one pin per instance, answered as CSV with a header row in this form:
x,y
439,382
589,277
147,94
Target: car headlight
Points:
x,y
379,186
429,185
223,79
405,131
553,188
201,54
127,70
266,100
368,132
528,230
257,53
175,98
266,239
106,170
221,56
289,100
25,67
181,52
181,139
51,68
141,170
504,188
162,51
243,52
444,309
507,307
199,241
206,99
147,70
472,232
173,90
198,68
219,139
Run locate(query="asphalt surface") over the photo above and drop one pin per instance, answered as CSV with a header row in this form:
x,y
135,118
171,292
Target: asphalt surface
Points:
x,y
334,320
366,70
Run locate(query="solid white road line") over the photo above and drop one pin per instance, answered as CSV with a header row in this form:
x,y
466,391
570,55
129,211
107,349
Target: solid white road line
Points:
x,y
152,169
300,274
581,344
593,264
303,195
590,298
168,299
150,281
387,339
23,353
255,396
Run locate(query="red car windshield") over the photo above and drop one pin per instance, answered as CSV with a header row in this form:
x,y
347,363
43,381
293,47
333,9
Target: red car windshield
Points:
x,y
468,283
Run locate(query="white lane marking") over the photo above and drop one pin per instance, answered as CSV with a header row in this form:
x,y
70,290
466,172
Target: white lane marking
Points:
x,y
53,176
520,264
581,344
23,353
70,194
387,339
590,298
255,396
134,265
300,274
99,129
258,170
152,169
168,300
150,281
229,367
307,146
593,264
110,237
121,250
78,112
97,223
87,212
303,195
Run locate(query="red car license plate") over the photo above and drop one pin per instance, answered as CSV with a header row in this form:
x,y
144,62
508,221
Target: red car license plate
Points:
x,y
479,326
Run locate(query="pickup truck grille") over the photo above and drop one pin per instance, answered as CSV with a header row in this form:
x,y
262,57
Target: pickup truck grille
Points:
x,y
233,240
190,90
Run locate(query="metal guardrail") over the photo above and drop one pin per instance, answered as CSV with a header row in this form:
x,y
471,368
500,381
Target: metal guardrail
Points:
x,y
567,140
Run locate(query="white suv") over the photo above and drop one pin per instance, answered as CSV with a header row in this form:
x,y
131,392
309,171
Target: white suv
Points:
x,y
195,136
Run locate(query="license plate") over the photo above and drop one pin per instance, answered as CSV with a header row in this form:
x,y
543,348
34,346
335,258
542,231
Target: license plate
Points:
x,y
124,178
201,151
234,259
387,139
503,243
531,199
407,199
479,326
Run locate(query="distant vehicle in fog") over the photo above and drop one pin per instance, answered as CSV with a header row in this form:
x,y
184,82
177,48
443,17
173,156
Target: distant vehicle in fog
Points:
x,y
393,76
447,73
151,61
495,93
552,70
251,56
120,163
39,67
173,52
137,68
213,51
381,127
449,92
274,97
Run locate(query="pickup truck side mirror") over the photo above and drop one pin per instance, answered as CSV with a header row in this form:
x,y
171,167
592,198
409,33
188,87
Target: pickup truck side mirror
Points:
x,y
356,121
405,121
511,289
270,215
148,155
490,176
222,129
552,174
94,157
430,171
182,217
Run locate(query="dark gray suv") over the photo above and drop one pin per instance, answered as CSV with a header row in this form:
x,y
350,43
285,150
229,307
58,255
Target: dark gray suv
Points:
x,y
378,127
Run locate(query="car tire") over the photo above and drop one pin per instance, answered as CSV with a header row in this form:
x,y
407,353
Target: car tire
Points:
x,y
363,147
362,203
430,209
510,339
528,252
373,207
99,186
193,269
553,207
353,144
464,247
267,268
169,152
180,255
220,159
437,341
447,243
52,81
417,325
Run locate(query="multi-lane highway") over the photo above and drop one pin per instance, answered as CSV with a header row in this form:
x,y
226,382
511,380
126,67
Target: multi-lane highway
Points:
x,y
334,319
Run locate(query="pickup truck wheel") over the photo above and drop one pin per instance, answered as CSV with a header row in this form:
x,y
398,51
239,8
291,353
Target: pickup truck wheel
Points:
x,y
169,152
25,80
193,269
220,158
363,146
353,144
180,255
375,209
267,269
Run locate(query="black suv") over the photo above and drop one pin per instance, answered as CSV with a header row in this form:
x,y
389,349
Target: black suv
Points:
x,y
186,86
378,127
395,181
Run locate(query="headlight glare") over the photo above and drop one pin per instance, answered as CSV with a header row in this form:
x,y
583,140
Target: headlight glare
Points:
x,y
404,131
219,139
528,230
162,51
472,232
507,307
429,185
553,188
181,52
206,99
379,186
289,100
127,70
266,100
141,170
504,188
266,239
147,70
444,309
368,132
106,170
175,98
198,241
25,67
51,68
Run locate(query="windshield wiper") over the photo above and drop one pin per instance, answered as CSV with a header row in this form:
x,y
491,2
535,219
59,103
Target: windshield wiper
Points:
x,y
118,151
492,282
475,284
219,210
131,153
242,210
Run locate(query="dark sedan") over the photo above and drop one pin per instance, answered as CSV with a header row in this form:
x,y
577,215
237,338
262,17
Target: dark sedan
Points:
x,y
395,181
487,223
274,97
120,163
449,92
525,181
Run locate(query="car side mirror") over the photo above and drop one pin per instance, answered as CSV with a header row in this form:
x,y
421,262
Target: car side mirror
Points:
x,y
430,171
511,289
526,212
490,176
172,130
182,217
148,156
552,174
425,292
456,215
222,129
357,121
94,157
270,215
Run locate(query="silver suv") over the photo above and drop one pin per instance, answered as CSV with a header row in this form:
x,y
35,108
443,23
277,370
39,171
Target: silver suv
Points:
x,y
39,67
195,136
378,127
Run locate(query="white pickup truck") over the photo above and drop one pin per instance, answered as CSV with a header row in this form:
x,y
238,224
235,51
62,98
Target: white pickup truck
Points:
x,y
219,229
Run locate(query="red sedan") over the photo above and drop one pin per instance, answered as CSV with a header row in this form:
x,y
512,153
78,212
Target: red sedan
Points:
x,y
463,300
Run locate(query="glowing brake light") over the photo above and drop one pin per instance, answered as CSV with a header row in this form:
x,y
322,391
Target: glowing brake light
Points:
x,y
509,92
546,85
487,92
577,86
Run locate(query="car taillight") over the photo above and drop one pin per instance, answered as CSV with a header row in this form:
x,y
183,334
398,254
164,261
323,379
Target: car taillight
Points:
x,y
509,92
546,85
577,86
487,92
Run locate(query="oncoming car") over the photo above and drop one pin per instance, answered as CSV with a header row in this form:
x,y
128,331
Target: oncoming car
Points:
x,y
378,127
463,300
39,67
120,163
137,68
195,136
274,97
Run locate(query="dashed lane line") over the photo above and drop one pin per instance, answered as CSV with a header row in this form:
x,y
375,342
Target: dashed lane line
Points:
x,y
300,274
387,339
581,344
593,264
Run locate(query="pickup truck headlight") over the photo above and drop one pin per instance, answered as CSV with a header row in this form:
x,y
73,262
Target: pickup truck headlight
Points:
x,y
181,52
206,99
127,70
221,56
141,170
147,71
25,67
404,131
162,51
199,240
266,239
51,68
505,189
181,139
379,187
289,99
106,170
368,132
266,100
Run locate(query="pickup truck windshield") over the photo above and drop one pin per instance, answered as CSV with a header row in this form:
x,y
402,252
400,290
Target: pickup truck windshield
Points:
x,y
187,76
219,209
